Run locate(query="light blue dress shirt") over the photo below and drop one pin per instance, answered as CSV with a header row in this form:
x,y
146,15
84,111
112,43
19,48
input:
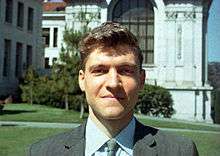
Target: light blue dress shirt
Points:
x,y
96,139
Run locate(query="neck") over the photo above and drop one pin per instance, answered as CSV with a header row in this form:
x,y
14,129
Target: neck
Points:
x,y
111,127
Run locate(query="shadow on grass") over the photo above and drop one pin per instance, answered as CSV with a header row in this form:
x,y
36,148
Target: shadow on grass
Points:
x,y
4,112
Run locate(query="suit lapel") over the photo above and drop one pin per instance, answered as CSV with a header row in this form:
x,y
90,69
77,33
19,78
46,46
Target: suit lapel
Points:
x,y
144,142
77,150
74,145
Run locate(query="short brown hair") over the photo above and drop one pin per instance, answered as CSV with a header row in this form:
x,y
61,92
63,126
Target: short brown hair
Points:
x,y
109,34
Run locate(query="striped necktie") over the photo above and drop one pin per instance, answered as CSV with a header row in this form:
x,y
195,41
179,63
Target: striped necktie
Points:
x,y
112,147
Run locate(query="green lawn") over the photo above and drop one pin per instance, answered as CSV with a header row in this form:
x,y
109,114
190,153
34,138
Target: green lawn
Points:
x,y
14,141
179,125
207,144
40,113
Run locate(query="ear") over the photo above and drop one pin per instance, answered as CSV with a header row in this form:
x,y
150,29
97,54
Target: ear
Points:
x,y
142,78
81,79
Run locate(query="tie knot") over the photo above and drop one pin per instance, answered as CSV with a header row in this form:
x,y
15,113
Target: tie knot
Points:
x,y
112,146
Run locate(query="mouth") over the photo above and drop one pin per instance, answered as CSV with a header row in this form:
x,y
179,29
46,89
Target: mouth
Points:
x,y
111,97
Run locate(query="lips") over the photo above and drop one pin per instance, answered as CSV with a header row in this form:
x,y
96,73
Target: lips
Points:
x,y
113,97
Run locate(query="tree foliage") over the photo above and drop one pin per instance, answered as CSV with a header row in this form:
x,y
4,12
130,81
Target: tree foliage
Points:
x,y
61,88
71,39
29,86
214,74
65,75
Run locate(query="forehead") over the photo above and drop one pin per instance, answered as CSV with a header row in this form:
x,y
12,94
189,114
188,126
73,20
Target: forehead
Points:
x,y
112,55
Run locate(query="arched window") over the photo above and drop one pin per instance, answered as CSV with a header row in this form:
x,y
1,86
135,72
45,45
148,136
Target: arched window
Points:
x,y
138,17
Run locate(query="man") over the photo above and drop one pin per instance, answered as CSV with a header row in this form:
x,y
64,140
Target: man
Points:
x,y
111,77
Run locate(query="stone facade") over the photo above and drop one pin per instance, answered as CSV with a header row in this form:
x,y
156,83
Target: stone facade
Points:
x,y
61,15
179,61
20,41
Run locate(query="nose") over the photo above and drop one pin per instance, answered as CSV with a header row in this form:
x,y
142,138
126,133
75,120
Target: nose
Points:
x,y
113,79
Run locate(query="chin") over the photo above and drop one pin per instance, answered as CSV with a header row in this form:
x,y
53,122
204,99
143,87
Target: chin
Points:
x,y
113,114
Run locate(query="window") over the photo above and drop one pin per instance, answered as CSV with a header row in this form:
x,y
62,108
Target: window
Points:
x,y
30,21
138,17
29,56
8,11
7,57
20,15
46,36
55,37
18,67
46,63
99,15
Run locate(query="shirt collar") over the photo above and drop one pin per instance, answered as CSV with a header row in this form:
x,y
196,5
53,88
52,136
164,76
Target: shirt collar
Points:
x,y
95,138
126,137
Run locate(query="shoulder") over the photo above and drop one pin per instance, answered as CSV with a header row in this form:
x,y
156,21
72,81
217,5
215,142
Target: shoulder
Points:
x,y
172,138
159,135
56,143
164,141
175,143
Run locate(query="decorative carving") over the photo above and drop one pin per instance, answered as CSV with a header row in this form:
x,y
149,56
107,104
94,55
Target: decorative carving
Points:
x,y
184,15
189,15
171,15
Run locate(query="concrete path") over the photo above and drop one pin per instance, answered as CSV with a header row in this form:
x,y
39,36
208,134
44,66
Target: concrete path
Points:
x,y
73,125
38,124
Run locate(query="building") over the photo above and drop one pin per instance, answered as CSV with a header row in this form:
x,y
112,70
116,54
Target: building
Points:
x,y
60,15
53,25
20,42
172,36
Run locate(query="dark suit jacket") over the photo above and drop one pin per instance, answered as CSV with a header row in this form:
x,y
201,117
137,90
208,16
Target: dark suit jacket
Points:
x,y
148,141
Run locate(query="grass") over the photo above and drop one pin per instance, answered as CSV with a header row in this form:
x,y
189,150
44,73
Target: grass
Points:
x,y
40,113
179,125
207,144
14,141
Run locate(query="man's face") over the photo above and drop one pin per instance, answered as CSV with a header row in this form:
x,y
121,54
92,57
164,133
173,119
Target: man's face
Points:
x,y
111,82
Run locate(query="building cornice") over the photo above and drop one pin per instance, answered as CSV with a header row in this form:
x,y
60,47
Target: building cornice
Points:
x,y
195,2
88,2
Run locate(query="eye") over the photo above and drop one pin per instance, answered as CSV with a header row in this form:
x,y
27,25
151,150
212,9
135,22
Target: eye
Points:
x,y
99,71
127,71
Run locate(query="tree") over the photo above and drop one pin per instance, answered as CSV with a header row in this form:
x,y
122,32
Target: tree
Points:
x,y
71,39
65,71
65,75
29,85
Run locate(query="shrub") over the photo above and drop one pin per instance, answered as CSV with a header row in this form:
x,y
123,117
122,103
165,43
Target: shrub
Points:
x,y
156,101
46,90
